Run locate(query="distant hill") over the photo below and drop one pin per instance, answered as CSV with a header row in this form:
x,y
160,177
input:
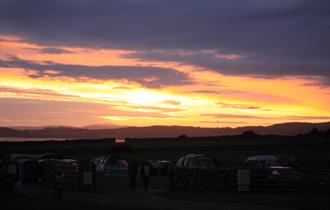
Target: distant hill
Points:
x,y
160,131
38,127
92,126
102,126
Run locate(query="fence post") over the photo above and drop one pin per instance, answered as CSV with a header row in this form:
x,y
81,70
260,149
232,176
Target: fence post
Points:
x,y
243,180
87,176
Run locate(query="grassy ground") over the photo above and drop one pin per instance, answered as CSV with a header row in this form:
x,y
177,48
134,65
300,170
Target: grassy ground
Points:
x,y
225,148
108,184
299,201
236,149
18,202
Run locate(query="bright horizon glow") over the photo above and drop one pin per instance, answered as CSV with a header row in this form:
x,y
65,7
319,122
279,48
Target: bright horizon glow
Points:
x,y
209,99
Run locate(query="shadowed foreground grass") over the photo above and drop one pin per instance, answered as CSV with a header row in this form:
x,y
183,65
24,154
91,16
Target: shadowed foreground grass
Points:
x,y
108,184
19,202
299,201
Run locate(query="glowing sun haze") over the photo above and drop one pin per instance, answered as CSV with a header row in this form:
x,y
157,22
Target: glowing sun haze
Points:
x,y
139,63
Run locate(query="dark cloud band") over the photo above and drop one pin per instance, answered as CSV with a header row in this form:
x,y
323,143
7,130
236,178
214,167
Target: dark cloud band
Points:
x,y
153,77
274,37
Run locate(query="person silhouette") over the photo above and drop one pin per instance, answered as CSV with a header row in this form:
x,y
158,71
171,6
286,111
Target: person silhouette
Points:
x,y
58,182
132,173
146,173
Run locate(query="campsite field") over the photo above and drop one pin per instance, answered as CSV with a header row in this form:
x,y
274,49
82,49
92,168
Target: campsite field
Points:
x,y
235,149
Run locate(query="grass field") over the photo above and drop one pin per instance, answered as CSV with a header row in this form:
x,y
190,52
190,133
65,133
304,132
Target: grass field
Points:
x,y
299,201
19,202
226,148
108,184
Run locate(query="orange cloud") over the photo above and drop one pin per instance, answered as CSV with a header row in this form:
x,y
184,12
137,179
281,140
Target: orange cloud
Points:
x,y
127,102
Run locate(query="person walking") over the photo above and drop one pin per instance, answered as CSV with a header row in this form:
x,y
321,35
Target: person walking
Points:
x,y
132,173
58,182
171,175
146,173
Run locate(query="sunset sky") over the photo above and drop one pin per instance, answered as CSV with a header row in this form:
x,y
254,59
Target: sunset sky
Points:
x,y
157,62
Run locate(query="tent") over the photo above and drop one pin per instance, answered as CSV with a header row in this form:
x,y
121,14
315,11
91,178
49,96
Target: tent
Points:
x,y
7,176
113,165
51,156
284,172
159,166
263,158
196,161
29,170
17,157
27,167
268,160
49,167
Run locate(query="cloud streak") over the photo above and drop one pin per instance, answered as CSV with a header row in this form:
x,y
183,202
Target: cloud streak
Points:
x,y
37,92
271,38
54,50
253,65
288,117
154,77
237,106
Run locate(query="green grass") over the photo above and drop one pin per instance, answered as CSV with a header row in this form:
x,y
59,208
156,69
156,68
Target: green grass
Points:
x,y
299,201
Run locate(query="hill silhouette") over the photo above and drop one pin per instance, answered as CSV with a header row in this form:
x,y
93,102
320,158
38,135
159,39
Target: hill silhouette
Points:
x,y
288,129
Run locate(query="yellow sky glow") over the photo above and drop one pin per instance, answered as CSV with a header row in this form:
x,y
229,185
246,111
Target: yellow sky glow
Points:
x,y
210,100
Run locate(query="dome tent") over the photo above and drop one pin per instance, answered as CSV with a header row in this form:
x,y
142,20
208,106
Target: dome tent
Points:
x,y
27,168
159,166
263,158
51,156
17,157
198,172
50,167
196,161
114,165
269,160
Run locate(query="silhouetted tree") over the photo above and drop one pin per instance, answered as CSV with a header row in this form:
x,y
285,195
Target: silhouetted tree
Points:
x,y
183,136
249,133
314,132
121,149
327,134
